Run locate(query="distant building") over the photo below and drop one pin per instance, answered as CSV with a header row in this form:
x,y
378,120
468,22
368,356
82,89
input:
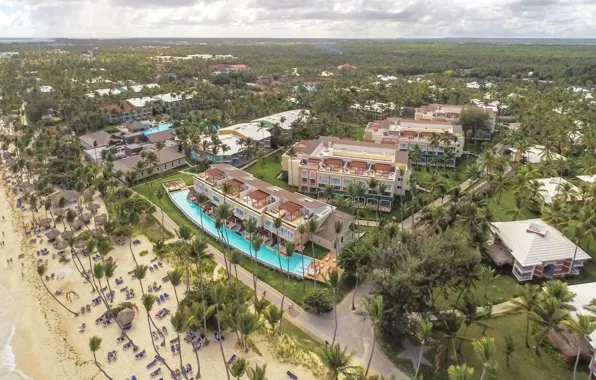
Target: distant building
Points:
x,y
225,68
168,159
375,111
584,295
346,67
120,113
143,107
95,140
435,139
284,119
448,112
339,163
232,137
8,54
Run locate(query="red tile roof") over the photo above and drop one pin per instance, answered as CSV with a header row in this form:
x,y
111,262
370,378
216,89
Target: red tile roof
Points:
x,y
126,107
290,207
258,195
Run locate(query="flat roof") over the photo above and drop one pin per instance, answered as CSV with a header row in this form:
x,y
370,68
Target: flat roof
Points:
x,y
246,130
140,102
289,116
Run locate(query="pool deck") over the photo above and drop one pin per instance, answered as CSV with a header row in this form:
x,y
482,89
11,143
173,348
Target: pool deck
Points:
x,y
325,265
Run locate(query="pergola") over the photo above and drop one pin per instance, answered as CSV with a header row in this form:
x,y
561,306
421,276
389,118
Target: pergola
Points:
x,y
236,186
334,164
259,198
292,210
214,175
382,169
358,167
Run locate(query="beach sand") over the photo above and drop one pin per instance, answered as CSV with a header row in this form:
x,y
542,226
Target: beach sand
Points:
x,y
47,343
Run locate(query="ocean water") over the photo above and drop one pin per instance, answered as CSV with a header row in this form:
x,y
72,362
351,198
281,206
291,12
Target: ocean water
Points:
x,y
9,317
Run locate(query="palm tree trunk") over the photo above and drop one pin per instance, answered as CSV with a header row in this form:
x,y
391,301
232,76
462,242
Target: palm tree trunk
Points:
x,y
576,361
354,293
98,367
130,246
198,363
159,332
176,294
180,356
312,254
527,329
335,315
223,355
162,218
419,360
149,321
187,268
372,351
483,372
201,284
56,299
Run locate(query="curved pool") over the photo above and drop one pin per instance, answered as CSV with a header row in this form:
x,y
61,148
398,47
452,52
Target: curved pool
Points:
x,y
265,255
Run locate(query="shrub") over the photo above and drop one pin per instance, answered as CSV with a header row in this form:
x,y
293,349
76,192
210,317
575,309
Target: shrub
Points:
x,y
318,300
112,130
143,253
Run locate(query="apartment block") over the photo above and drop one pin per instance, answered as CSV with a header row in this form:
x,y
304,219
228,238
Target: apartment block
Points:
x,y
336,162
143,107
446,112
252,198
440,142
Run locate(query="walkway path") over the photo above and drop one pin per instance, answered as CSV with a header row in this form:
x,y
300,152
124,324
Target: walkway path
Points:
x,y
353,330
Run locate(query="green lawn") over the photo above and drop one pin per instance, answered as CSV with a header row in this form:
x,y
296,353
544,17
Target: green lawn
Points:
x,y
155,182
318,252
358,133
502,211
152,229
268,170
302,339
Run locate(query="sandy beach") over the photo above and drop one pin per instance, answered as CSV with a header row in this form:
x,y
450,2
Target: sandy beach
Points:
x,y
47,343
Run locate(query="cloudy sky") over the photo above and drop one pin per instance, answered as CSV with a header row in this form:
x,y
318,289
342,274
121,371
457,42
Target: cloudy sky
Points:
x,y
298,18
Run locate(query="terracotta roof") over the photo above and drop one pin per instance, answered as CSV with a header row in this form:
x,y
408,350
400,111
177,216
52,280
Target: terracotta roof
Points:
x,y
333,162
346,66
383,167
125,107
258,195
52,129
213,172
290,207
358,164
235,183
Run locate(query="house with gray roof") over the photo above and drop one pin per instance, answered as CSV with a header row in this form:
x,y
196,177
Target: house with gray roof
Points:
x,y
102,138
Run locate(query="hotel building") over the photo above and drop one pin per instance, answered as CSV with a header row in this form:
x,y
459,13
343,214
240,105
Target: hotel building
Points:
x,y
252,198
446,112
437,140
336,162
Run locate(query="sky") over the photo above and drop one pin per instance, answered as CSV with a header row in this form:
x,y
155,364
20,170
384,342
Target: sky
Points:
x,y
298,18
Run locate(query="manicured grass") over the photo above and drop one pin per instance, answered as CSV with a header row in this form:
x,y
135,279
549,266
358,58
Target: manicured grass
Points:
x,y
502,289
502,211
155,182
318,252
151,228
268,170
358,133
302,339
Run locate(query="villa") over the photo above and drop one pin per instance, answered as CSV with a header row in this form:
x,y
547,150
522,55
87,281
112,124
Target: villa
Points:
x,y
537,154
535,250
587,178
336,162
95,140
437,140
143,107
584,294
120,113
284,119
552,188
168,159
254,199
375,111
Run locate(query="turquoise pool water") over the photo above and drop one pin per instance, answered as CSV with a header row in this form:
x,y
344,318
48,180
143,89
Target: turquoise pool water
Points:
x,y
265,255
159,128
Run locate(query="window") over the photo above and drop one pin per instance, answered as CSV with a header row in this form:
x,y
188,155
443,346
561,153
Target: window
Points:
x,y
335,180
267,223
239,211
347,182
215,198
313,174
323,179
253,218
305,173
291,235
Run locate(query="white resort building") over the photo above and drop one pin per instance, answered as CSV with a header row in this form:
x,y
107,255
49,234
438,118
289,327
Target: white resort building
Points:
x,y
339,163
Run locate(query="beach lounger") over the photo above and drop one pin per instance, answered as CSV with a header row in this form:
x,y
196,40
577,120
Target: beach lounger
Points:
x,y
155,266
152,363
232,358
153,260
166,296
188,368
173,349
126,346
166,279
151,269
141,354
162,298
292,376
155,373
120,338
124,289
175,340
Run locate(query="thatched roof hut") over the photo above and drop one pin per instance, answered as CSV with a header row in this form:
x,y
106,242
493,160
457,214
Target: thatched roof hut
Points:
x,y
53,234
45,222
77,224
62,245
100,219
125,317
58,212
66,235
93,207
85,217
88,193
80,244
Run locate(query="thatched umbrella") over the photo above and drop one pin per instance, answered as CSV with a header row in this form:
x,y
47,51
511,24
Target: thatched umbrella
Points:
x,y
88,193
77,224
53,234
93,207
80,244
62,245
66,235
125,317
96,232
85,217
58,212
101,219
45,222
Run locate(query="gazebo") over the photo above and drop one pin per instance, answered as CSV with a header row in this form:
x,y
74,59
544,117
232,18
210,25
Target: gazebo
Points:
x,y
45,222
62,245
259,198
53,234
66,235
77,224
85,217
93,207
292,210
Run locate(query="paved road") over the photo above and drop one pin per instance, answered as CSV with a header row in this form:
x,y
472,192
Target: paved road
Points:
x,y
353,331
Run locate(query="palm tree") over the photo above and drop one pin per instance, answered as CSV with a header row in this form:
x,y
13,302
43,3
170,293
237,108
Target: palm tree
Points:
x,y
528,299
94,345
140,274
148,301
484,349
423,330
338,227
185,234
373,310
277,223
247,324
41,269
256,243
334,280
301,231
180,323
198,251
218,294
337,361
460,372
175,277
509,349
160,194
273,315
257,373
47,205
238,368
312,226
560,291
488,275
454,325
548,313
583,326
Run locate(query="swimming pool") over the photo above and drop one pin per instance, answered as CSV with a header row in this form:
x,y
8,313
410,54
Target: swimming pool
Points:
x,y
265,255
160,128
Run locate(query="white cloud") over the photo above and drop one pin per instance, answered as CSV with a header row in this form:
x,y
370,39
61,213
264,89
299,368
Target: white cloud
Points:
x,y
298,18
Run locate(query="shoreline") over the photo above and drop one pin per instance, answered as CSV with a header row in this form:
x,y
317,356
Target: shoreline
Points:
x,y
38,337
